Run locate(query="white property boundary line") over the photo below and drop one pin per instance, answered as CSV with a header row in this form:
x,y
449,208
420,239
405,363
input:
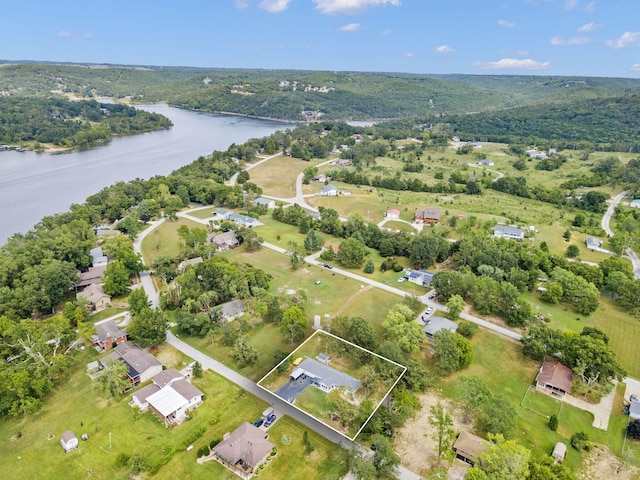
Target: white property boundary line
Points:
x,y
404,369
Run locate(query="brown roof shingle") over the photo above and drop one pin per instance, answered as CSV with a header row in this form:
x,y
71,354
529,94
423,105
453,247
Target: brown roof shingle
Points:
x,y
554,373
246,443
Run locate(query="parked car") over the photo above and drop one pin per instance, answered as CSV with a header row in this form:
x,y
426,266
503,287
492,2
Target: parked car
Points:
x,y
318,282
432,296
270,419
328,265
258,422
401,279
429,311
190,366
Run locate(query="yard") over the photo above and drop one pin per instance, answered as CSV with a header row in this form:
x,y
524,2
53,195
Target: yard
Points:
x,y
164,240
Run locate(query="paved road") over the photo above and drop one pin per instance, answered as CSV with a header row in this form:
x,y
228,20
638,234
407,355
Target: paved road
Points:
x,y
606,218
277,403
145,277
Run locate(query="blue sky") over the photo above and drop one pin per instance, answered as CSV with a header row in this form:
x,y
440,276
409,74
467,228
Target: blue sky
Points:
x,y
544,37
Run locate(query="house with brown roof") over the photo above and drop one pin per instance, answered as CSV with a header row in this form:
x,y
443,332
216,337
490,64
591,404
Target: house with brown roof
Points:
x,y
428,215
98,300
224,241
243,450
469,447
92,275
107,335
140,363
554,378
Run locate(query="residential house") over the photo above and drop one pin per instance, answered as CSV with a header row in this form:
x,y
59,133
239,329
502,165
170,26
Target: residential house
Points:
x,y
172,402
141,365
92,275
69,441
393,213
319,178
554,378
485,162
244,449
593,243
98,300
221,214
224,241
329,190
188,263
343,162
538,155
434,324
428,215
511,233
420,277
324,377
107,335
98,258
469,447
231,310
244,220
266,202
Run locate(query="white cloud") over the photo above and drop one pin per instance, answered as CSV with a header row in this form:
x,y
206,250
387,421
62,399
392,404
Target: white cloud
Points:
x,y
409,55
570,4
351,27
274,6
513,63
384,33
635,67
590,7
504,23
350,7
523,53
66,34
559,41
590,27
627,39
444,49
241,4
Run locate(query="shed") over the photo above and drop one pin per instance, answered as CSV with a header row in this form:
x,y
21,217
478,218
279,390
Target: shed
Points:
x,y
469,447
559,451
69,441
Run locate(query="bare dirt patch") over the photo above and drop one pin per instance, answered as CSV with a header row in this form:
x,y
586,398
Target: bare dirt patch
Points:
x,y
414,444
601,463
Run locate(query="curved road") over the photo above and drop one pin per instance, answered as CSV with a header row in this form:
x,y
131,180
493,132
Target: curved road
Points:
x,y
499,174
606,219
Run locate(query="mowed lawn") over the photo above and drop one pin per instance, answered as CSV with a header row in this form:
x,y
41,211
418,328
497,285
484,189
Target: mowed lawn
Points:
x,y
622,328
164,240
115,428
501,365
277,177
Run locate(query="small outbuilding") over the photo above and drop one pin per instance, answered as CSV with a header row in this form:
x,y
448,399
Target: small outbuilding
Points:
x,y
469,447
69,441
559,452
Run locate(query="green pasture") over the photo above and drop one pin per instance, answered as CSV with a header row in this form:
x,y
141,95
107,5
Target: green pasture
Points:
x,y
163,241
277,177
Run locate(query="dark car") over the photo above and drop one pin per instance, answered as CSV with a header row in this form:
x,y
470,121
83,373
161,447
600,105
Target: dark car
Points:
x,y
258,422
328,265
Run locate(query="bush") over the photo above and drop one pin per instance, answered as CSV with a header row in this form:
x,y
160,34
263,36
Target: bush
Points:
x,y
553,422
122,460
580,441
467,329
203,451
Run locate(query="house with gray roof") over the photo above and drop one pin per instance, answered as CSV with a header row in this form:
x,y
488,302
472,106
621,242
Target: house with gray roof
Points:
x,y
265,202
141,365
505,231
243,450
329,190
172,402
107,335
434,324
189,263
98,258
231,310
324,377
221,213
244,220
592,243
92,275
420,277
223,241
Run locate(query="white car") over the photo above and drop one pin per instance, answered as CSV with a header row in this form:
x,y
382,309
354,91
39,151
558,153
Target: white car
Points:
x,y
429,311
401,279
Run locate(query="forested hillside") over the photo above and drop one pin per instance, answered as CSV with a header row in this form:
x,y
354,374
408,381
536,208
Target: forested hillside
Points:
x,y
61,122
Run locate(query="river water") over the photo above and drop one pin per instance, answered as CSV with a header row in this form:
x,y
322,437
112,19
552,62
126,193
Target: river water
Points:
x,y
33,185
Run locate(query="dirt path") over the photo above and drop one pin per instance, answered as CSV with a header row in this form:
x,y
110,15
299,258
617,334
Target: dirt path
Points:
x,y
351,300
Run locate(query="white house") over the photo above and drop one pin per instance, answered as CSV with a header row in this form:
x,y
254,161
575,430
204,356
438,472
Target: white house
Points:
x,y
265,202
592,243
69,441
172,402
504,231
420,277
393,213
329,190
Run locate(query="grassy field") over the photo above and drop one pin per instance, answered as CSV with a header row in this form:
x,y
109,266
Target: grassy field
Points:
x,y
277,177
507,372
623,329
164,240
